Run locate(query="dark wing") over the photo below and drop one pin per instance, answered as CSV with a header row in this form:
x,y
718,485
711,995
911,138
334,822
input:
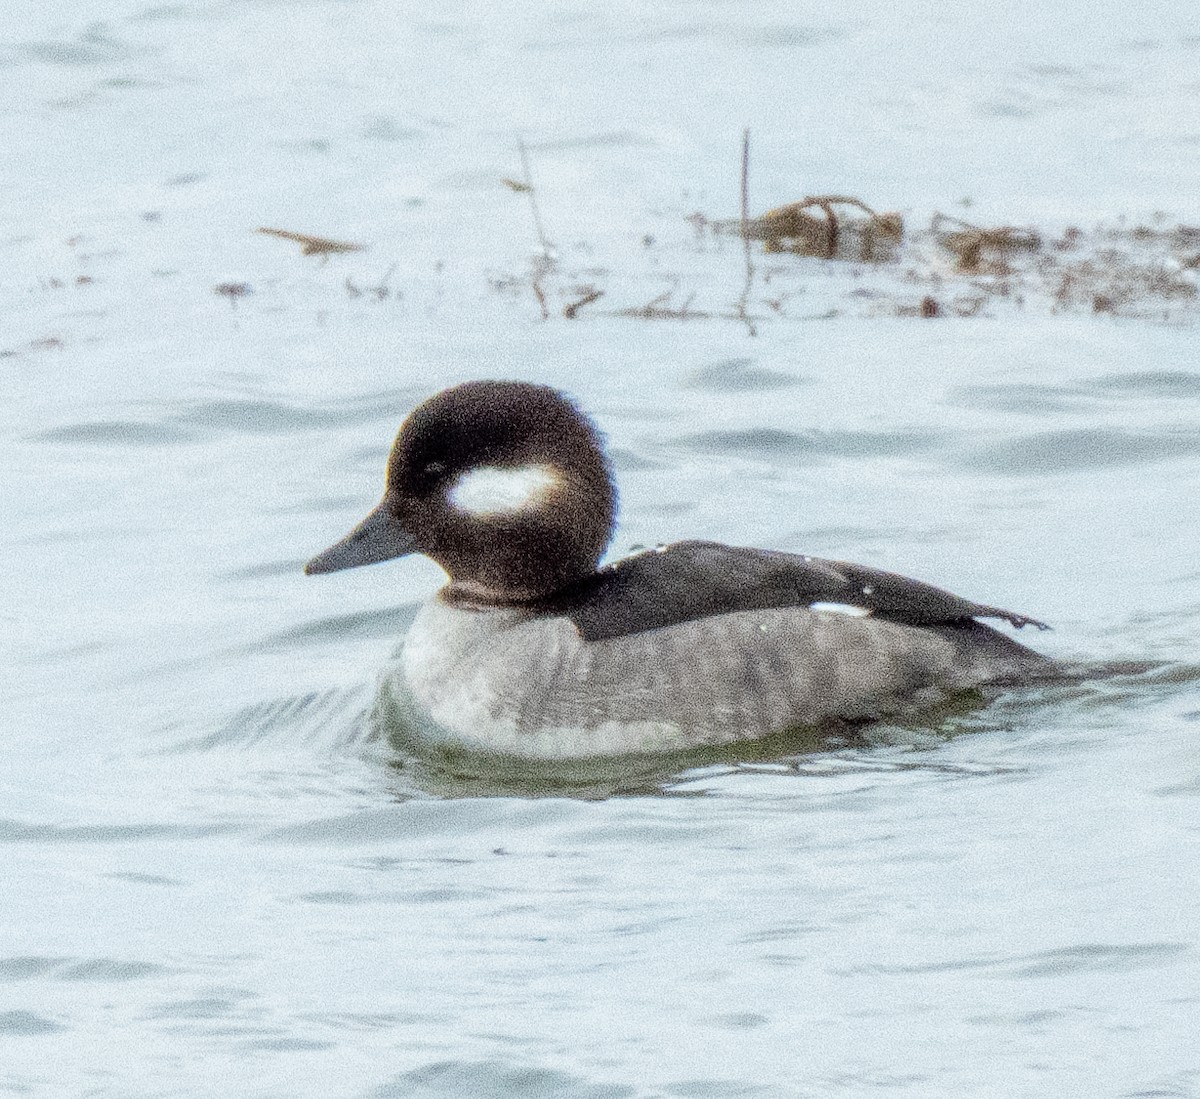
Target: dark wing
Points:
x,y
689,580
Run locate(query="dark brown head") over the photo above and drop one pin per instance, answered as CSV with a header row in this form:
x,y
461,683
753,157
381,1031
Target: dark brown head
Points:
x,y
503,484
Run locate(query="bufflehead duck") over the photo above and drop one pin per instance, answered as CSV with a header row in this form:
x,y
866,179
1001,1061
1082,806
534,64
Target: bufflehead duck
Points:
x,y
533,650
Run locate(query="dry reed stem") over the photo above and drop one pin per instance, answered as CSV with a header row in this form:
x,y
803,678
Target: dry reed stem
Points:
x,y
743,301
528,188
543,264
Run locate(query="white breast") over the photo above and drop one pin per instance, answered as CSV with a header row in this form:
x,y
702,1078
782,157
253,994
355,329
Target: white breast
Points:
x,y
499,681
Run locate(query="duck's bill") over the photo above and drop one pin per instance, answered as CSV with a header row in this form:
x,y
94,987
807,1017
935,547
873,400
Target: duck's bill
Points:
x,y
379,537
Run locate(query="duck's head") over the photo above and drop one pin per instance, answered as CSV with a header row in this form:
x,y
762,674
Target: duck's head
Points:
x,y
503,484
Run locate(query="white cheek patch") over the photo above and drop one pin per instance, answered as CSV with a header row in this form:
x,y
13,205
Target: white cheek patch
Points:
x,y
495,490
840,608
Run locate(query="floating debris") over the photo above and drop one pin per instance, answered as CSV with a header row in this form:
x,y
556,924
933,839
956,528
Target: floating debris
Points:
x,y
381,290
816,226
885,266
233,291
313,246
1123,285
979,251
658,309
591,294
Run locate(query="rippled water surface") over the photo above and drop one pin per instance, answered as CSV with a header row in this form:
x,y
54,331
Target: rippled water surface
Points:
x,y
217,881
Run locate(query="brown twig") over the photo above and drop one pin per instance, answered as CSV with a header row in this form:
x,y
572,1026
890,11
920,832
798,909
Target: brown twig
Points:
x,y
313,246
656,309
571,311
541,266
540,294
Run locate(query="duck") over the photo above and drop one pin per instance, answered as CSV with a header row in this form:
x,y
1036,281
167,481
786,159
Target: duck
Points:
x,y
534,649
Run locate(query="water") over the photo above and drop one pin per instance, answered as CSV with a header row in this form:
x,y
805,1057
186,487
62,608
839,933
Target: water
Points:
x,y
218,882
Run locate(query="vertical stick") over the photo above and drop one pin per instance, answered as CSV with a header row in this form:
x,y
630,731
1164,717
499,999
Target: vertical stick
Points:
x,y
746,189
533,206
743,301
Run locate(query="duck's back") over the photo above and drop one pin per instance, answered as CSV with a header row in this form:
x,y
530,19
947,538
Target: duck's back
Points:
x,y
696,579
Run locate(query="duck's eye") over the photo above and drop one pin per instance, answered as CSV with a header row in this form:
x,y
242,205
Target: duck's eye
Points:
x,y
435,469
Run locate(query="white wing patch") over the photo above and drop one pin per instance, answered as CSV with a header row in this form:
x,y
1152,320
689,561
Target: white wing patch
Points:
x,y
496,490
840,608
